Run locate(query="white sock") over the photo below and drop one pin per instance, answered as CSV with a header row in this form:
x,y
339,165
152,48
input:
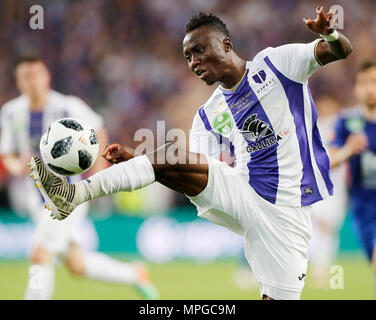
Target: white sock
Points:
x,y
41,282
101,267
126,176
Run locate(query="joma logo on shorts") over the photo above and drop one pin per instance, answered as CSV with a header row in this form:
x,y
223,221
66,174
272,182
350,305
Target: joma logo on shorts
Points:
x,y
301,276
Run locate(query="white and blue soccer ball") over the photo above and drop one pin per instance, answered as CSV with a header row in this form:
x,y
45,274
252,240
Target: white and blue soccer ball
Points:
x,y
69,146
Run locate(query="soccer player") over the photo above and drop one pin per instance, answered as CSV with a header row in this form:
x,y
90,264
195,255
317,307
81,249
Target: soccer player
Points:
x,y
327,215
355,143
23,121
263,112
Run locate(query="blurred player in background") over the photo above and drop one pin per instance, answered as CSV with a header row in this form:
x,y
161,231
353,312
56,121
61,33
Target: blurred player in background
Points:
x,y
264,113
23,121
327,215
355,143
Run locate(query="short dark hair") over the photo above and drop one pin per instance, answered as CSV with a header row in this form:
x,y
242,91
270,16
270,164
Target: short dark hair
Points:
x,y
364,66
203,19
29,59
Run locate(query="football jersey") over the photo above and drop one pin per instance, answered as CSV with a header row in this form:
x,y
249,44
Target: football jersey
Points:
x,y
268,122
21,129
362,167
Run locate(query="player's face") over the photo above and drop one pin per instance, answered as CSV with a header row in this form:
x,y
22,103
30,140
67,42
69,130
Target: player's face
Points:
x,y
365,87
33,79
206,53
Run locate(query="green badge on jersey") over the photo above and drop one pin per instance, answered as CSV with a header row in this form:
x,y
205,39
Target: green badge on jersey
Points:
x,y
355,125
223,123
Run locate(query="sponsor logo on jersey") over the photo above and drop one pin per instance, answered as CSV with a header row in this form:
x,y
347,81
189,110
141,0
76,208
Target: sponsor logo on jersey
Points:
x,y
260,77
258,132
223,123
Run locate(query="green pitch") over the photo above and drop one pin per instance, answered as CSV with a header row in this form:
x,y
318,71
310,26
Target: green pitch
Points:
x,y
184,280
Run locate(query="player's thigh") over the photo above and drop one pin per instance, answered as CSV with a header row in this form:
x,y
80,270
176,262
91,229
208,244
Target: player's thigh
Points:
x,y
276,247
227,199
40,255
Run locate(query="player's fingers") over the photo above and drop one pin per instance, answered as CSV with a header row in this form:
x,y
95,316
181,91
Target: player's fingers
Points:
x,y
319,10
110,149
309,23
307,20
321,14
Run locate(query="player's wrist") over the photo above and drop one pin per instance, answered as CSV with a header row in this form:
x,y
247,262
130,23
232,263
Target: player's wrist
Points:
x,y
347,152
333,36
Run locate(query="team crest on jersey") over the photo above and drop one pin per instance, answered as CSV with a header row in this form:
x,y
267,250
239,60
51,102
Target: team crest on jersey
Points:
x,y
259,132
223,123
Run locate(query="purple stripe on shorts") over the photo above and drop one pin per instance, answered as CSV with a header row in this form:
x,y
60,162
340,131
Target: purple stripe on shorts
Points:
x,y
294,92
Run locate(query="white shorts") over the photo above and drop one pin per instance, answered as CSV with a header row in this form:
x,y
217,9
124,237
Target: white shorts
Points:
x,y
276,237
56,236
53,235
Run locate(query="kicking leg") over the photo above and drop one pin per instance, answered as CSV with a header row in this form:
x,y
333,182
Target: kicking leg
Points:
x,y
98,266
186,173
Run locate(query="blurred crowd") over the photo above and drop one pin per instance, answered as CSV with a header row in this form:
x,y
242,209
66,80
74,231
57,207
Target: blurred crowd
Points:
x,y
124,57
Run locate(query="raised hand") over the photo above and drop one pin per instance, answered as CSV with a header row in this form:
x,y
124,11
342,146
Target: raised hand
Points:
x,y
115,153
321,25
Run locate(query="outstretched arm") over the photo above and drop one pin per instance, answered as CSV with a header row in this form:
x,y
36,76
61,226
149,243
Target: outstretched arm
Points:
x,y
329,50
355,144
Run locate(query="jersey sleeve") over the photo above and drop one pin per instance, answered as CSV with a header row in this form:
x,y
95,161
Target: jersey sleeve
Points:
x,y
340,133
79,109
203,141
297,61
7,141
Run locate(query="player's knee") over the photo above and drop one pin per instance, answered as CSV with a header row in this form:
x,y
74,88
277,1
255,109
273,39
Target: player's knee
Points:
x,y
76,266
75,261
41,256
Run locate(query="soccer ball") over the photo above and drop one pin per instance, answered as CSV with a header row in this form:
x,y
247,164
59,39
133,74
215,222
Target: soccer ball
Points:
x,y
69,146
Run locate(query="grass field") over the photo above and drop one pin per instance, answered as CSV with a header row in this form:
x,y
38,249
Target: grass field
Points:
x,y
184,280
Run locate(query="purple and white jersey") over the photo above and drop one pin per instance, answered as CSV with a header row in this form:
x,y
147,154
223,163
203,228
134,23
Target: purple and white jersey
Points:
x,y
268,122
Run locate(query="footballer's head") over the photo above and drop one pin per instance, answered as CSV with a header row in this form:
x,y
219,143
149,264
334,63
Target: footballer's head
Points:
x,y
207,47
365,84
32,76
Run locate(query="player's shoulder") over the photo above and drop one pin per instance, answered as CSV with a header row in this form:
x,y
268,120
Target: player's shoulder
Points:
x,y
350,120
263,53
213,100
351,112
289,49
14,105
58,97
